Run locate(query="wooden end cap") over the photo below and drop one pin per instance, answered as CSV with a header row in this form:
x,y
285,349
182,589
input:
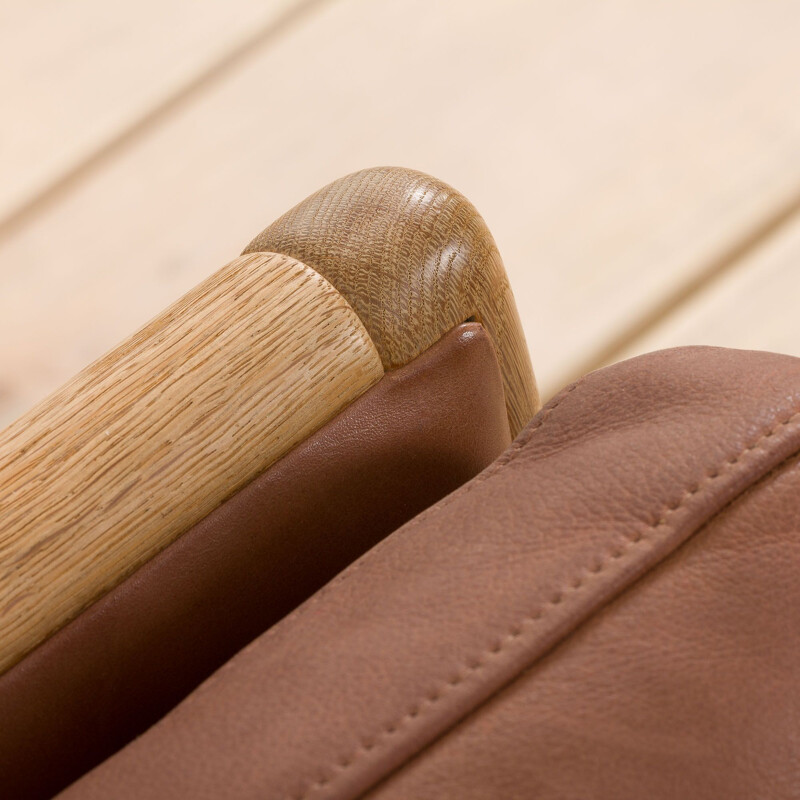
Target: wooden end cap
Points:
x,y
413,258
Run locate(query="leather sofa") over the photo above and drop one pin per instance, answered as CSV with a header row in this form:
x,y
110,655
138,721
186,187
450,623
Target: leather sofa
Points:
x,y
444,592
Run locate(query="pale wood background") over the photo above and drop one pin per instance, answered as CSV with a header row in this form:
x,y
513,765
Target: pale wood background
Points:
x,y
638,162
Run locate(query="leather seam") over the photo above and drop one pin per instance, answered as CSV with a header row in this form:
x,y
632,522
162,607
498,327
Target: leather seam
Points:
x,y
528,623
504,460
510,454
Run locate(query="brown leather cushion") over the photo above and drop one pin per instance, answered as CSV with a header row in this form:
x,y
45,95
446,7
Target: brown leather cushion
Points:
x,y
610,611
417,435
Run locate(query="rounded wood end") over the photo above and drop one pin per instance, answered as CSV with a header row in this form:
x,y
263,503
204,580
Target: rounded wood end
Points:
x,y
414,259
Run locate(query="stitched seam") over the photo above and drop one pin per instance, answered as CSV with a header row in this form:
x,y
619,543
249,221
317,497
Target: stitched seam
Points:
x,y
512,452
528,624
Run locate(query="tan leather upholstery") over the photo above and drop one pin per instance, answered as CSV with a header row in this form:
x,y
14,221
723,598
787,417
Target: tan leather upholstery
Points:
x,y
418,434
686,686
612,610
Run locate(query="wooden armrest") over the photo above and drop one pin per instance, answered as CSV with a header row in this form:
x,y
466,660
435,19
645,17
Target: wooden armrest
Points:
x,y
363,276
152,437
414,258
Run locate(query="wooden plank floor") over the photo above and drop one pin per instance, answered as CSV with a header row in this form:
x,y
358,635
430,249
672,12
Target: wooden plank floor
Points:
x,y
79,76
754,306
639,163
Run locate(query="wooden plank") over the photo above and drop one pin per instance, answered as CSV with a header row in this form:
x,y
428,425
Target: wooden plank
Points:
x,y
615,149
754,306
75,76
232,377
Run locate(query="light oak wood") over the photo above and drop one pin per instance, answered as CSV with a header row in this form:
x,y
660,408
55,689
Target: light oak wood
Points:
x,y
754,306
152,437
616,150
414,258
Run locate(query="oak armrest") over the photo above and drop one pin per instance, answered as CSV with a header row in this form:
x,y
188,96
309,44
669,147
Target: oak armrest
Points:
x,y
362,276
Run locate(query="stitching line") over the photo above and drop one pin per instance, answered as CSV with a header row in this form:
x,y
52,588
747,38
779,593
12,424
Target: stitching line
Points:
x,y
510,454
529,622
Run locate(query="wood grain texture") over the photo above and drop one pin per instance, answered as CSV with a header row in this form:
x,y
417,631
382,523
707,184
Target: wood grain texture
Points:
x,y
77,76
152,437
414,259
614,149
755,305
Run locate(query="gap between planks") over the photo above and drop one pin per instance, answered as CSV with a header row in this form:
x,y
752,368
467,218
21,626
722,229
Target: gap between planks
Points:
x,y
217,71
715,272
